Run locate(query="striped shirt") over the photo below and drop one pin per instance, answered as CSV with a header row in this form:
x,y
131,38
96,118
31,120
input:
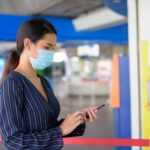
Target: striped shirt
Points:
x,y
27,120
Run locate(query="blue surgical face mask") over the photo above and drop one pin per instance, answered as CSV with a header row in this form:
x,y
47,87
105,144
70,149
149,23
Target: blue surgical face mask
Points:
x,y
44,59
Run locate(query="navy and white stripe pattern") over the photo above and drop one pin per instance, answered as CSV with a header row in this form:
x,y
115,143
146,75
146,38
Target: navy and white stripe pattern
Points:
x,y
27,120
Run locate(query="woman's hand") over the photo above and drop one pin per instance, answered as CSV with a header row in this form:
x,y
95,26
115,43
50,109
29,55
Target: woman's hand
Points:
x,y
90,114
71,122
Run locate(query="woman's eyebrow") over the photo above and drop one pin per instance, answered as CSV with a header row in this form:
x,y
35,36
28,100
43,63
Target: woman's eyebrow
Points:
x,y
49,44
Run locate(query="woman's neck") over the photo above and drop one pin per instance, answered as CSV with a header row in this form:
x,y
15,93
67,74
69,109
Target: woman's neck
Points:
x,y
25,67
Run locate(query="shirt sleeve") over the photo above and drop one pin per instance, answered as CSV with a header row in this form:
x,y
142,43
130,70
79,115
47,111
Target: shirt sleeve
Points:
x,y
79,131
12,127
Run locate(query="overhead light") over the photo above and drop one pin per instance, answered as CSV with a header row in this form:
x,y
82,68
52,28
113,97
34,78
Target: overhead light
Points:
x,y
101,18
89,50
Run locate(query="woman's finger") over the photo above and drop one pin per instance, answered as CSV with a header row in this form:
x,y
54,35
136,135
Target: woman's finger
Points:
x,y
94,114
84,115
78,122
76,113
90,116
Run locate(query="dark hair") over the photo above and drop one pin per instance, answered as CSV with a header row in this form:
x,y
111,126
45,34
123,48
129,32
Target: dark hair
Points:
x,y
34,29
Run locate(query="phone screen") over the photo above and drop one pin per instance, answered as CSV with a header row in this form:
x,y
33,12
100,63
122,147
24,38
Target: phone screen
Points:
x,y
101,106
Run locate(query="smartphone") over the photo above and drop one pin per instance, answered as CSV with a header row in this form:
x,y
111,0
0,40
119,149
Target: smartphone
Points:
x,y
99,107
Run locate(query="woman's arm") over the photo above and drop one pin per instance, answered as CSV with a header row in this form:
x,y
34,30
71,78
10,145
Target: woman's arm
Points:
x,y
12,125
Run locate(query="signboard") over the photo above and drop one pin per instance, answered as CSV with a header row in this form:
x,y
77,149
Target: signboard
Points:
x,y
145,84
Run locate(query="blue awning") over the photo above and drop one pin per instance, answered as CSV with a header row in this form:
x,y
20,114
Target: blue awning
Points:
x,y
66,32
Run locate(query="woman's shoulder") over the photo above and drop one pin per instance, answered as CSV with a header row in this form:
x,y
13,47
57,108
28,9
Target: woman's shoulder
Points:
x,y
11,77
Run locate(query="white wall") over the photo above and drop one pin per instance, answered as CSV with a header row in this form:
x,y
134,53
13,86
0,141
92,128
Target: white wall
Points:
x,y
139,32
134,69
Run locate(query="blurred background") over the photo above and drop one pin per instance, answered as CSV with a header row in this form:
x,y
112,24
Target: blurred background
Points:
x,y
101,51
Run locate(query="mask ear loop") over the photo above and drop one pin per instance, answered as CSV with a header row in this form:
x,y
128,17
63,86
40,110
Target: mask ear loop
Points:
x,y
29,50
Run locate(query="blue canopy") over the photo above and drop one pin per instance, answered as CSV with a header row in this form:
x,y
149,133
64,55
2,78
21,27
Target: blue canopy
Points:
x,y
66,32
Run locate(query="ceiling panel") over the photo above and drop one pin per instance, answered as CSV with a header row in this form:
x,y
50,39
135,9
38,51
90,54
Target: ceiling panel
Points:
x,y
73,8
25,7
58,8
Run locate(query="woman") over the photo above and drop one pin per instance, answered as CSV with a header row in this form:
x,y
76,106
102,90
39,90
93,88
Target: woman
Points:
x,y
28,106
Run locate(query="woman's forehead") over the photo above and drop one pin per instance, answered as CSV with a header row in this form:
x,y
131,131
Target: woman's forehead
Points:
x,y
49,39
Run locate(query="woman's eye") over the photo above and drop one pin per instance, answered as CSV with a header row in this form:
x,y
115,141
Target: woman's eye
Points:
x,y
47,48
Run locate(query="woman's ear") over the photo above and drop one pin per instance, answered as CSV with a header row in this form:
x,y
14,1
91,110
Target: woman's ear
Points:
x,y
29,47
27,43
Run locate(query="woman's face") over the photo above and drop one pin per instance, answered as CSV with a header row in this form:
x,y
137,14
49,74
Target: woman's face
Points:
x,y
48,42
